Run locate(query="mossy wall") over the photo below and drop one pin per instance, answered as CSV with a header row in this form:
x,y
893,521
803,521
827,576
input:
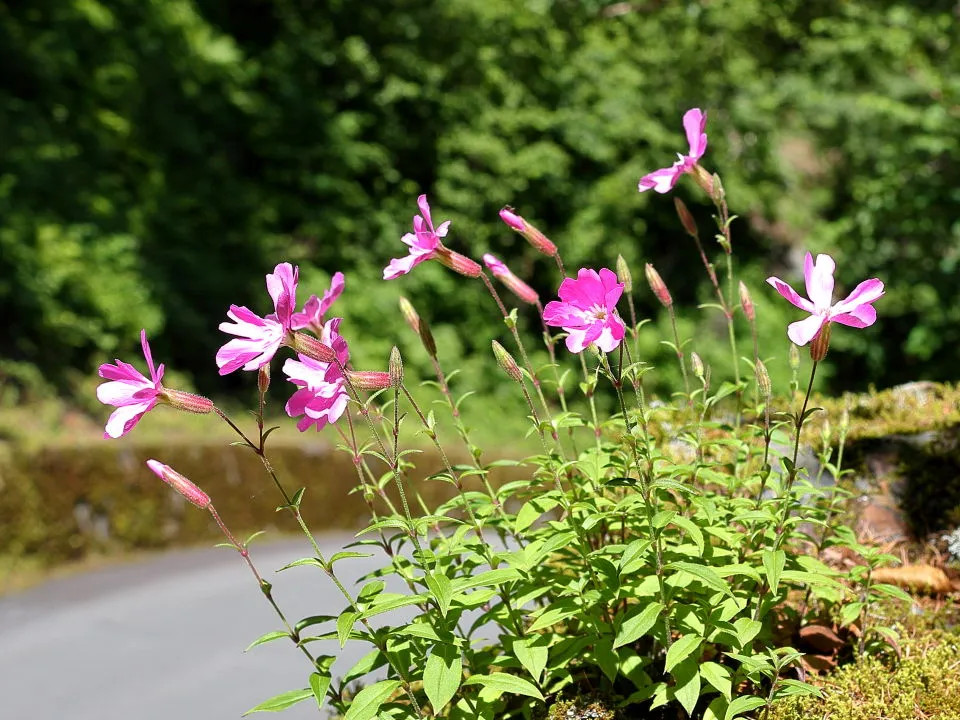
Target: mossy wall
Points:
x,y
63,503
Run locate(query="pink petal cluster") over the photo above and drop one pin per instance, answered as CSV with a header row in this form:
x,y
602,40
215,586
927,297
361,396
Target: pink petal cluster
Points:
x,y
424,242
259,338
517,286
129,391
315,308
321,395
587,310
664,179
855,310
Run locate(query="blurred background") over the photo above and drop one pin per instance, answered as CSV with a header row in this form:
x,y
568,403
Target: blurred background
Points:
x,y
159,157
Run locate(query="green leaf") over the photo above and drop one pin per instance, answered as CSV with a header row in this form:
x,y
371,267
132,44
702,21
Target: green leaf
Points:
x,y
502,682
891,590
743,704
302,561
532,653
366,704
345,625
441,589
281,701
705,574
850,612
718,676
319,685
747,630
692,530
633,557
560,610
681,649
347,554
687,689
442,675
267,637
532,510
773,563
638,624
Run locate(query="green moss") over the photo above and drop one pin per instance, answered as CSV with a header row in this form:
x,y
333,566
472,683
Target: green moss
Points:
x,y
581,708
925,683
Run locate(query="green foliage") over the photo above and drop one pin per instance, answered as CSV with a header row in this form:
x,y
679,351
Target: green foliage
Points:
x,y
155,151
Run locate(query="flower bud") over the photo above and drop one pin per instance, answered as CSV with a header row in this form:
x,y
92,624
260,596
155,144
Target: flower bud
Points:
x,y
820,344
658,286
746,302
793,359
697,362
179,483
187,401
459,263
420,326
313,348
686,219
517,286
263,379
531,233
506,362
763,379
369,379
623,274
396,367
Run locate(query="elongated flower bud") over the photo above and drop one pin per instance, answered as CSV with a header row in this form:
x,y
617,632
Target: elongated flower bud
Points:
x,y
763,379
686,219
179,483
187,401
459,263
623,274
313,348
697,363
369,379
396,367
746,302
531,233
658,286
517,286
820,344
420,326
506,362
263,379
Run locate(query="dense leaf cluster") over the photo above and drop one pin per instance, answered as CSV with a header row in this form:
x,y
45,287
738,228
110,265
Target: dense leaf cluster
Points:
x,y
154,152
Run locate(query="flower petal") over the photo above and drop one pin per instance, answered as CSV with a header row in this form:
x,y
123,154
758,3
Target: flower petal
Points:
x,y
803,331
662,180
860,317
819,280
124,418
790,294
865,292
694,124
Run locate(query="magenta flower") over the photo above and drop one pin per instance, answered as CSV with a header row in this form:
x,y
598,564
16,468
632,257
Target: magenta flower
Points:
x,y
663,180
129,391
587,310
315,308
321,395
854,311
259,338
424,242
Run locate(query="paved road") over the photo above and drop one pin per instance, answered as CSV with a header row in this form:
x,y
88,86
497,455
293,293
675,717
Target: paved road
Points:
x,y
164,639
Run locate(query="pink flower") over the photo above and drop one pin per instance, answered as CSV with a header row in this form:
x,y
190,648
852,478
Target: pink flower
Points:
x,y
130,392
322,395
587,310
260,338
315,308
424,242
517,286
854,311
663,180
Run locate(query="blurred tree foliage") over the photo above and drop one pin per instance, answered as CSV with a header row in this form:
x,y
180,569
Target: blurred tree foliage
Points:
x,y
158,157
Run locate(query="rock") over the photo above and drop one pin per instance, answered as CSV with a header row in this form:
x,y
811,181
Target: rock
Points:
x,y
917,578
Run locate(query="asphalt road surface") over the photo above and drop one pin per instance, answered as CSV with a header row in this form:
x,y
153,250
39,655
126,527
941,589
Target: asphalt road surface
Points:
x,y
163,639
